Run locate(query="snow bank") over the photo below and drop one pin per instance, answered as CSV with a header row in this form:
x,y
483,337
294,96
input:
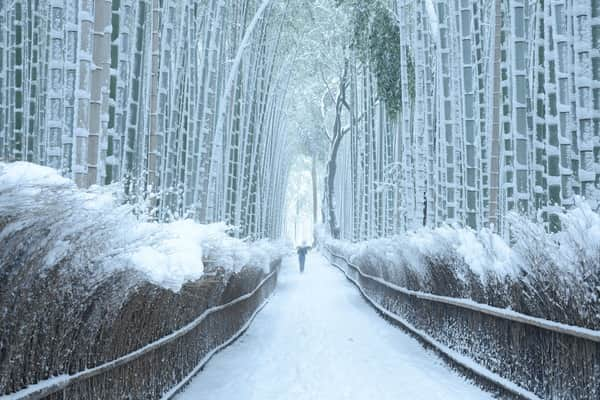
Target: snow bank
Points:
x,y
97,227
23,174
482,252
550,276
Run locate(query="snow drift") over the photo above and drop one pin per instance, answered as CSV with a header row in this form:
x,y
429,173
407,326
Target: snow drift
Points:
x,y
102,230
550,276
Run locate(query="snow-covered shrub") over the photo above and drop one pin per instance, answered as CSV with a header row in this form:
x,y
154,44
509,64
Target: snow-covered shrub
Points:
x,y
84,281
551,276
97,229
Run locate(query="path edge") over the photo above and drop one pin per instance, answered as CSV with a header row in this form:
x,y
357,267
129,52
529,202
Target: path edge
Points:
x,y
479,378
177,389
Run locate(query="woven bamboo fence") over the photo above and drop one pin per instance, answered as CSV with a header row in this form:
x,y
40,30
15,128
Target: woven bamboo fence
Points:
x,y
525,357
159,369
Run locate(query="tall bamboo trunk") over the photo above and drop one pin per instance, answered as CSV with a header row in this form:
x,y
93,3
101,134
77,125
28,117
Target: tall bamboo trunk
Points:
x,y
313,174
154,143
496,126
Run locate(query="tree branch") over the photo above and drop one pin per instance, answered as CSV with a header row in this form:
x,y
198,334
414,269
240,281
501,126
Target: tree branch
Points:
x,y
327,85
325,130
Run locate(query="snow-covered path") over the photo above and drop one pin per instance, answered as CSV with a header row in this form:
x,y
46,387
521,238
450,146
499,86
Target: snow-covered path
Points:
x,y
318,339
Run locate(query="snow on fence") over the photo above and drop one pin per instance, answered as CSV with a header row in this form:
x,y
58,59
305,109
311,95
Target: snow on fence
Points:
x,y
159,369
523,356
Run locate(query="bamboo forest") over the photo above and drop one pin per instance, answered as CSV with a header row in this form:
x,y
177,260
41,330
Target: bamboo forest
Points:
x,y
380,199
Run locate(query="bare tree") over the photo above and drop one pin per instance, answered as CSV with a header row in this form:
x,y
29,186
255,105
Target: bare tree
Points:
x,y
338,134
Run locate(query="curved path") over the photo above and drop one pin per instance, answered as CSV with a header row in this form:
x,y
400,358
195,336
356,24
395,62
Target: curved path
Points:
x,y
318,339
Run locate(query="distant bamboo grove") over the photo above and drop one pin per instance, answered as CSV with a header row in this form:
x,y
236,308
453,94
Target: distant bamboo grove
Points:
x,y
180,100
500,112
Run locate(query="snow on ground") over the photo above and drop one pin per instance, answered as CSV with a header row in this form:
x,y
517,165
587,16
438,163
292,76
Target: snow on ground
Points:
x,y
100,229
318,339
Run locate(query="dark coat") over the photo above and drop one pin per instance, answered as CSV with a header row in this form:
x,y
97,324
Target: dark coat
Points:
x,y
302,250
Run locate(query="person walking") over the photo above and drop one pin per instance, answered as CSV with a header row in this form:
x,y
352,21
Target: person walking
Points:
x,y
302,250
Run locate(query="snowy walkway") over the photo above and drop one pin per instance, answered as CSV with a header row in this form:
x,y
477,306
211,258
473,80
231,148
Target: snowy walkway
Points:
x,y
318,339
